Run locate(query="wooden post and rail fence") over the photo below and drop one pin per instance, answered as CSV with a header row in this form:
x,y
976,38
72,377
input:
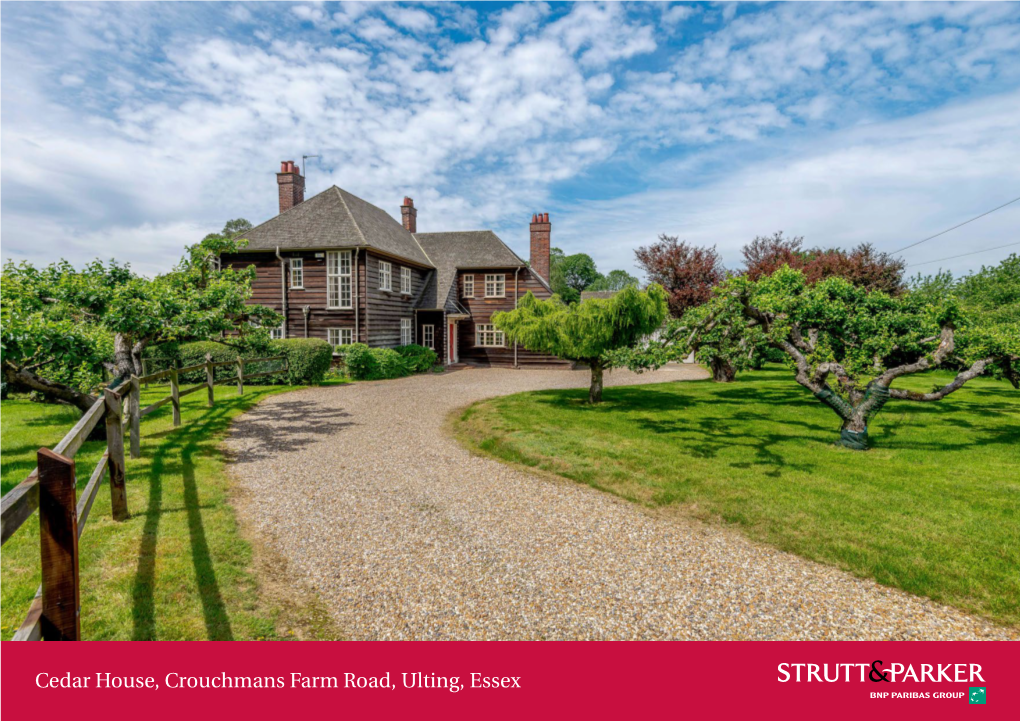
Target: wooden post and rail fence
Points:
x,y
51,489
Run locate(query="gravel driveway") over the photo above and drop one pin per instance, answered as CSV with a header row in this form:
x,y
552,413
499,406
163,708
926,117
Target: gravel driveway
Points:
x,y
405,535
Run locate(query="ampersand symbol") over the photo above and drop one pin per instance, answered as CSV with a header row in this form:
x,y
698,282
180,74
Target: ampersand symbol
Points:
x,y
881,676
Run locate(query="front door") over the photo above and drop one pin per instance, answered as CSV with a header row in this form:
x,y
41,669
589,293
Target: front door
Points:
x,y
451,343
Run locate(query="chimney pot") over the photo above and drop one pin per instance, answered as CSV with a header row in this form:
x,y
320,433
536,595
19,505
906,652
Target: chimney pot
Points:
x,y
540,242
291,186
409,215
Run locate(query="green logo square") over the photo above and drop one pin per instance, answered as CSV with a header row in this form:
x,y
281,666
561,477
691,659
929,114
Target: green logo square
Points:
x,y
977,694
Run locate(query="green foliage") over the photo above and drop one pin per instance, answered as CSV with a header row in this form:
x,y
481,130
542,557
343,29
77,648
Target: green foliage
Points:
x,y
585,331
371,364
49,319
570,274
61,323
866,332
613,280
308,360
419,358
357,360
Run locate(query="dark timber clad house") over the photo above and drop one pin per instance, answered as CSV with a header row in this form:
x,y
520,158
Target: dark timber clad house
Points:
x,y
341,269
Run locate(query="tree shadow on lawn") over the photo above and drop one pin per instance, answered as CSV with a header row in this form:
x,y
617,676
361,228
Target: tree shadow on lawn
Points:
x,y
708,437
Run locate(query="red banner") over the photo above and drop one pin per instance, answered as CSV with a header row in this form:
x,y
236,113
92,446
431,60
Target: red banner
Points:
x,y
512,680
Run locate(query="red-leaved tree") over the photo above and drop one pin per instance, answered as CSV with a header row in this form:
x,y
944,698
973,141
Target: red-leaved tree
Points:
x,y
862,266
687,272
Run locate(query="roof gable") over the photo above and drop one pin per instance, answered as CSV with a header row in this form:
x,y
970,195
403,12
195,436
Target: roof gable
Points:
x,y
336,219
462,250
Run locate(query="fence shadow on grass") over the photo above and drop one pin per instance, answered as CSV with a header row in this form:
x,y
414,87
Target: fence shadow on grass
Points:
x,y
176,454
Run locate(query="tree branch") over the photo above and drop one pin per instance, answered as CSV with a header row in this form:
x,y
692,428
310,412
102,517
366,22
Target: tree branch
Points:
x,y
946,345
976,369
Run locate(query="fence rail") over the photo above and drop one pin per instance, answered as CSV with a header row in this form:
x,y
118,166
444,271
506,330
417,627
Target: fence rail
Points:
x,y
51,489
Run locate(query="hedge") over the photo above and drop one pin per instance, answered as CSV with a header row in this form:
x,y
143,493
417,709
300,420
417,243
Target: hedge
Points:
x,y
372,364
307,358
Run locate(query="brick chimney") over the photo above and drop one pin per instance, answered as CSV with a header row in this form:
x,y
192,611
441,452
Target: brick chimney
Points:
x,y
409,215
292,185
540,230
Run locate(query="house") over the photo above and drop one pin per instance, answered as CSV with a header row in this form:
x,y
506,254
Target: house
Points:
x,y
341,269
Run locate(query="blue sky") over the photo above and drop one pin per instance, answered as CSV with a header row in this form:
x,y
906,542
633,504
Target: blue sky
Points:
x,y
131,129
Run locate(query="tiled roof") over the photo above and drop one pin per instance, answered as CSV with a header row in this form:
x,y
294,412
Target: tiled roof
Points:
x,y
336,219
459,250
603,294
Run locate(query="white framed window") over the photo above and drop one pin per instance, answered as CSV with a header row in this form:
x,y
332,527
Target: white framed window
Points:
x,y
339,336
405,280
428,336
405,331
385,275
495,285
274,333
469,286
338,279
487,336
297,273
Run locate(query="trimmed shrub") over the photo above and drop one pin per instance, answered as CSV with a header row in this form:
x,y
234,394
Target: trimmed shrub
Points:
x,y
307,358
419,358
390,364
358,361
372,364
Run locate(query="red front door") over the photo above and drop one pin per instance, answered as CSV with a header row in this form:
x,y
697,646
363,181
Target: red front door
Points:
x,y
451,344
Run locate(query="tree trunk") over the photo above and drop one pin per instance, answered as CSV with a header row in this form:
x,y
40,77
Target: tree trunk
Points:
x,y
123,360
595,391
20,378
722,370
853,433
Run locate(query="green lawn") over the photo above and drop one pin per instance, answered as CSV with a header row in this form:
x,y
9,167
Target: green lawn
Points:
x,y
178,569
933,508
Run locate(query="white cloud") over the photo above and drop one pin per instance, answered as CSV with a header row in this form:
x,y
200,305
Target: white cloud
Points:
x,y
888,183
309,13
183,119
410,18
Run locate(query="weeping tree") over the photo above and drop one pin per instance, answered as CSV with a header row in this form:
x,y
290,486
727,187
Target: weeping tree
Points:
x,y
587,331
862,340
63,325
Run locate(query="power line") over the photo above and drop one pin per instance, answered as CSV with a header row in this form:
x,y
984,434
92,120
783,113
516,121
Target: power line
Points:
x,y
963,255
976,217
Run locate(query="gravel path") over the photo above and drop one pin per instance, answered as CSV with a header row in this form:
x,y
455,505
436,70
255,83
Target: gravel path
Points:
x,y
405,535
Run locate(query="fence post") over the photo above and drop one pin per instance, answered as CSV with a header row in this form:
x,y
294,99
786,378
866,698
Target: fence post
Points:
x,y
135,416
240,376
58,546
209,378
175,395
145,372
115,448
